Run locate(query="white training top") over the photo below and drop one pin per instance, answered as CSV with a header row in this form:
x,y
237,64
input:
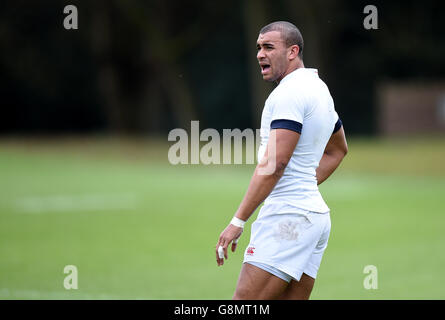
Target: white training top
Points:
x,y
304,99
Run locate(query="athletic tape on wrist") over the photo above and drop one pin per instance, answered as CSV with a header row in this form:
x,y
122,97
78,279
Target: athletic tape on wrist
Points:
x,y
238,222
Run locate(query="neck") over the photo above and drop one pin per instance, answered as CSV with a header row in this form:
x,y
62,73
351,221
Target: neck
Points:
x,y
292,67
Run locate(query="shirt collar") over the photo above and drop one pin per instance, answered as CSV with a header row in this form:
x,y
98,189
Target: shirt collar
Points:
x,y
299,71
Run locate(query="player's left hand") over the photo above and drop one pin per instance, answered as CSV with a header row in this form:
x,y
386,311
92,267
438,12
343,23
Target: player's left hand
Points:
x,y
230,234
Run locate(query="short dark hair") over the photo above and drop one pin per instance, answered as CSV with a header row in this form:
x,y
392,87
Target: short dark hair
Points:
x,y
289,33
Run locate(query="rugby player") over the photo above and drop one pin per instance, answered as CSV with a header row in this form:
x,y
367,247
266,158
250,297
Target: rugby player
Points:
x,y
302,143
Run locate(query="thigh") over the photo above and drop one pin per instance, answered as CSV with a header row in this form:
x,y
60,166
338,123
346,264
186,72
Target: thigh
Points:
x,y
299,290
257,284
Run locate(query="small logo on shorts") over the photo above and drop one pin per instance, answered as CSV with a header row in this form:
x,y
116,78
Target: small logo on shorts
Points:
x,y
250,251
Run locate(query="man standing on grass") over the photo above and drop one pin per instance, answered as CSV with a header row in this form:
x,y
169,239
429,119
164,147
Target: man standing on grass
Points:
x,y
302,143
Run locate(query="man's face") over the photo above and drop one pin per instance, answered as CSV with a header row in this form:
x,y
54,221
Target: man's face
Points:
x,y
272,56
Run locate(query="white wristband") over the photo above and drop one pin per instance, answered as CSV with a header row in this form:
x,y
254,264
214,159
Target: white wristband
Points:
x,y
238,222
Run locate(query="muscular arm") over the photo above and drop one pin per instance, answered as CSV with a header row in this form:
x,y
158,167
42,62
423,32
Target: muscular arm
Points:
x,y
334,153
268,172
266,175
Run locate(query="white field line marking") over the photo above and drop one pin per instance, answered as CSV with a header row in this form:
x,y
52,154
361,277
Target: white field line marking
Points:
x,y
74,294
68,203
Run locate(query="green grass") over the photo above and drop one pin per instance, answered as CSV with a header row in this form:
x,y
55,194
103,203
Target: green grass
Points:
x,y
139,228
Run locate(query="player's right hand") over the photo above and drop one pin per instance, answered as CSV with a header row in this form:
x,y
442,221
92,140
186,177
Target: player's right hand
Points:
x,y
230,235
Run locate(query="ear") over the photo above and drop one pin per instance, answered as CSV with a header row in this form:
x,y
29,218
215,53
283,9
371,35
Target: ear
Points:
x,y
293,53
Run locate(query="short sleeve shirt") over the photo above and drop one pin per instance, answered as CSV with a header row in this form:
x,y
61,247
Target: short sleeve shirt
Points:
x,y
301,102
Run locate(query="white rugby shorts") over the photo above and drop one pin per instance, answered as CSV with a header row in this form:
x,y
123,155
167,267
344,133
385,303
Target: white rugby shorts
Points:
x,y
288,245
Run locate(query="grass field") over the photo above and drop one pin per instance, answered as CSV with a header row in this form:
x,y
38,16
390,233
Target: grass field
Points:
x,y
137,227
